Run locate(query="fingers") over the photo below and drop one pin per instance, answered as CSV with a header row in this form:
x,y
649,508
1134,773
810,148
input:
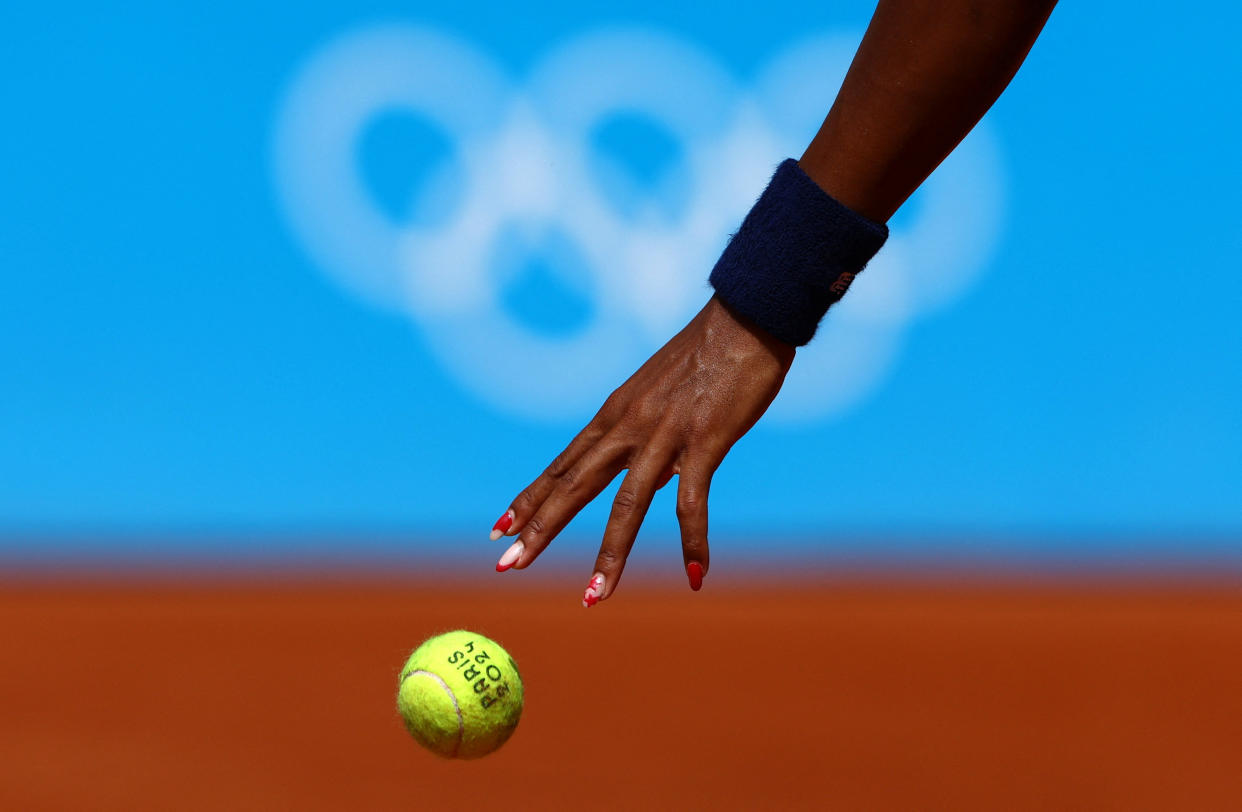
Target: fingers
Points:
x,y
571,491
692,488
629,508
522,508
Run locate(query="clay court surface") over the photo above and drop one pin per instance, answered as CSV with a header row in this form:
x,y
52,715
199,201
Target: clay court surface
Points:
x,y
821,695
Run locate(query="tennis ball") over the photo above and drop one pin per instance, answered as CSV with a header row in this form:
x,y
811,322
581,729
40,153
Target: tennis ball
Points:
x,y
460,695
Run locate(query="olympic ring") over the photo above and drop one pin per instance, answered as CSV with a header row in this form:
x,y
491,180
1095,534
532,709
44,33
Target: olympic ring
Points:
x,y
524,177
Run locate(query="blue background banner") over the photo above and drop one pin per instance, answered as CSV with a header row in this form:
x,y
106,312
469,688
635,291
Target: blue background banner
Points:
x,y
363,269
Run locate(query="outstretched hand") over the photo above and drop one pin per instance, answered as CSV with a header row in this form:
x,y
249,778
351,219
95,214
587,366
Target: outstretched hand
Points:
x,y
680,413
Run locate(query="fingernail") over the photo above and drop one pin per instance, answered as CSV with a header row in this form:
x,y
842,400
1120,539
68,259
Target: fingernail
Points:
x,y
510,557
694,571
502,525
594,590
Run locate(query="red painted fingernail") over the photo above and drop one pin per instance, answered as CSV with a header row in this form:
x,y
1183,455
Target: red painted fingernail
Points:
x,y
595,588
510,557
502,525
694,571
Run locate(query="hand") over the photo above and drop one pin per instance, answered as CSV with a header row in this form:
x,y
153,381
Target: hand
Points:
x,y
680,413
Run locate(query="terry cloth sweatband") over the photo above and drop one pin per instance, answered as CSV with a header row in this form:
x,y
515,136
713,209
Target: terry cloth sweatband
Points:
x,y
794,256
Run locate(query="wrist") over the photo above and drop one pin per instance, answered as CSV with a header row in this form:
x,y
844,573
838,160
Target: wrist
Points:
x,y
742,328
794,256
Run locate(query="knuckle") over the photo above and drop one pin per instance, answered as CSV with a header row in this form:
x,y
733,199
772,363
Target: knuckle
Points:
x,y
625,501
689,504
535,527
699,425
558,466
525,500
609,559
570,481
643,411
594,432
613,407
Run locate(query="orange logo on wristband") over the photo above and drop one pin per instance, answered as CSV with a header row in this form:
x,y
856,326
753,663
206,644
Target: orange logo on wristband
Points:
x,y
842,284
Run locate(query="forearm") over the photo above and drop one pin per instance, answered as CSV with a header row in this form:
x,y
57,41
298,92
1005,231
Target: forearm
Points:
x,y
926,72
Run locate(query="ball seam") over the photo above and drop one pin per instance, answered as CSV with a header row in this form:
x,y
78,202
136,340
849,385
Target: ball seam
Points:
x,y
461,722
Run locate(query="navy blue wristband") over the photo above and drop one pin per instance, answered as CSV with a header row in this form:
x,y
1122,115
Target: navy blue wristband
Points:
x,y
794,256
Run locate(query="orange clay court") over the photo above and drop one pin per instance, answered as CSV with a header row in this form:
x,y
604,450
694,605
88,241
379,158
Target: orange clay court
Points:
x,y
833,695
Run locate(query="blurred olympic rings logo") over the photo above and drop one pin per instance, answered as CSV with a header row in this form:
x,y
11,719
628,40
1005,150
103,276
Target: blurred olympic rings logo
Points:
x,y
522,164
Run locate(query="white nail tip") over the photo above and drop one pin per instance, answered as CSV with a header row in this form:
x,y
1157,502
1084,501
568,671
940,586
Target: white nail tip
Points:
x,y
511,555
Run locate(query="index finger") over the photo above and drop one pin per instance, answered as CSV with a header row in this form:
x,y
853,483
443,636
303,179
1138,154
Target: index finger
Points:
x,y
528,502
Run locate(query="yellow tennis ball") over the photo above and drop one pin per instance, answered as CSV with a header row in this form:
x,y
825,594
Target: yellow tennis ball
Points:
x,y
460,695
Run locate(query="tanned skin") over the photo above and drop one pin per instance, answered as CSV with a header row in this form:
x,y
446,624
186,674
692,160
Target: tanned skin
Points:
x,y
925,73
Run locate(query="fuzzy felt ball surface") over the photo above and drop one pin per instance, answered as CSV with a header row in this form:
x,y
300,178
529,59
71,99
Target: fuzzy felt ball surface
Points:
x,y
460,695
